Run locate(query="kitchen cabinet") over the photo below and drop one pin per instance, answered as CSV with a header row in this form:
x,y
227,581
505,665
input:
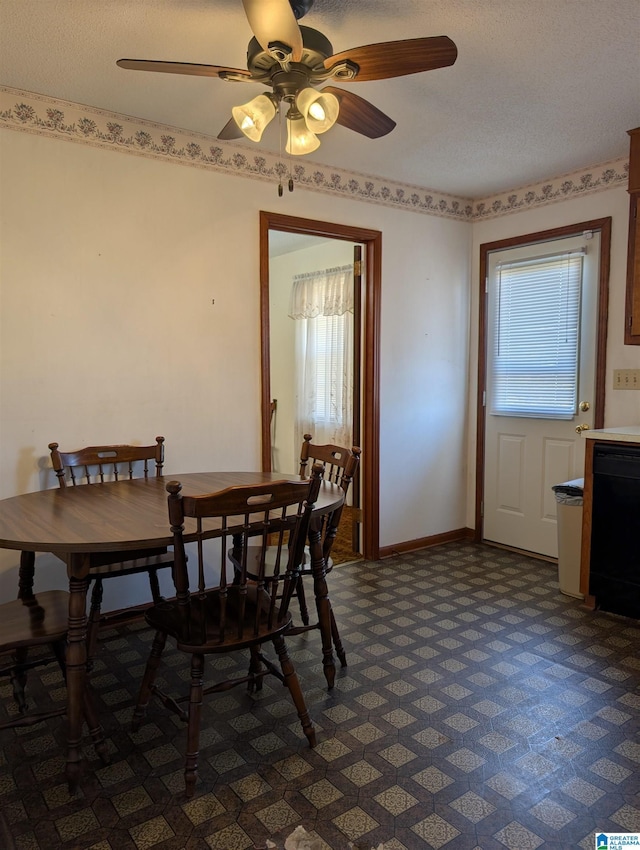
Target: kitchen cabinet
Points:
x,y
610,557
632,309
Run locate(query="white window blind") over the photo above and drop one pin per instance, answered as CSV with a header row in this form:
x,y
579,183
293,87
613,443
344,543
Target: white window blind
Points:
x,y
536,337
330,350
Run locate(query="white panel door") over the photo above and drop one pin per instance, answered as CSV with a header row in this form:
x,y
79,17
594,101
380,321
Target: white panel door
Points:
x,y
525,457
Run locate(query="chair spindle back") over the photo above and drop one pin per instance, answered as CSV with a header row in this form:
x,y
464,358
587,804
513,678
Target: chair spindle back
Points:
x,y
340,466
97,464
276,513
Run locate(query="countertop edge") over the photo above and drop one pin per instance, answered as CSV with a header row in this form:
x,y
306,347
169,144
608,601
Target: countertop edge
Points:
x,y
622,434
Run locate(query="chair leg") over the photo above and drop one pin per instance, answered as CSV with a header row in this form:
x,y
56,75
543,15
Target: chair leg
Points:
x,y
146,688
293,683
26,574
25,591
93,623
255,667
337,643
193,729
94,726
19,678
302,602
323,605
154,584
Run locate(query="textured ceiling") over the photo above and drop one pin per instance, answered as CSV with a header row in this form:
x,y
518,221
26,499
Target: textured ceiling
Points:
x,y
540,88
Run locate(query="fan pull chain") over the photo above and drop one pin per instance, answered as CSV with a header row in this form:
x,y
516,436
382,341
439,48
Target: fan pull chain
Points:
x,y
280,189
290,173
289,160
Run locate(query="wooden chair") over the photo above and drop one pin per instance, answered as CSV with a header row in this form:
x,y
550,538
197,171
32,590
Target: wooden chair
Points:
x,y
101,464
340,465
38,622
231,616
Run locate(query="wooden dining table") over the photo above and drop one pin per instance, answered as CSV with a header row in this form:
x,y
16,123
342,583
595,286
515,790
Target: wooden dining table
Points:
x,y
78,523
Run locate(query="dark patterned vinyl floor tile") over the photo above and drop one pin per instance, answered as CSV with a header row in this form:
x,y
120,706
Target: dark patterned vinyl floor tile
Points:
x,y
480,710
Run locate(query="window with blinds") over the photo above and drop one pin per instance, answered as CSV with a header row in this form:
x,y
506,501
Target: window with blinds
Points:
x,y
330,354
536,337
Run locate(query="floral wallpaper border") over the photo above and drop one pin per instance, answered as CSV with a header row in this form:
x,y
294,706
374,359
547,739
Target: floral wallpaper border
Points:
x,y
47,116
594,179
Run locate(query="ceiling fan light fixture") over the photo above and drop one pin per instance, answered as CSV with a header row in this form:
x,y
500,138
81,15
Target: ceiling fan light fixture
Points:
x,y
300,139
253,117
319,109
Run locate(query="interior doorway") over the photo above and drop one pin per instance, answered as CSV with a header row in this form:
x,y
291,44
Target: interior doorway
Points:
x,y
366,339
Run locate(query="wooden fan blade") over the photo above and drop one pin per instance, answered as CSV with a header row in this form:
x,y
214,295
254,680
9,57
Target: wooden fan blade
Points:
x,y
397,58
180,68
230,131
273,20
358,114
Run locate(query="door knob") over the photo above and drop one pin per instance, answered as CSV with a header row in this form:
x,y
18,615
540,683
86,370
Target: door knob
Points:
x,y
581,428
584,406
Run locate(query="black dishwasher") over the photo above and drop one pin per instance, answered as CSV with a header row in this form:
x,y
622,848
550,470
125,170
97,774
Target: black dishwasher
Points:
x,y
615,531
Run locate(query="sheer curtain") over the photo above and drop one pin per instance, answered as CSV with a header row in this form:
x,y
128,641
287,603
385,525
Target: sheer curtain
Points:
x,y
322,306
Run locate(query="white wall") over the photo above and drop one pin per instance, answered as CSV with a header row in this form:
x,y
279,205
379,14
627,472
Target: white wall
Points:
x,y
109,264
425,329
622,407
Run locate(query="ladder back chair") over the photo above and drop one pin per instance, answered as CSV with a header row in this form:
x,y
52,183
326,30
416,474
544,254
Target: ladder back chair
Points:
x,y
38,623
340,466
99,465
230,616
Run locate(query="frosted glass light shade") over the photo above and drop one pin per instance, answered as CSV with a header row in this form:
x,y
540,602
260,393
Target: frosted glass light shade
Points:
x,y
253,117
320,110
300,139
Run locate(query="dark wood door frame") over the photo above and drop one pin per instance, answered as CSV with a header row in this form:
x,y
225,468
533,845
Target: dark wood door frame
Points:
x,y
603,225
370,468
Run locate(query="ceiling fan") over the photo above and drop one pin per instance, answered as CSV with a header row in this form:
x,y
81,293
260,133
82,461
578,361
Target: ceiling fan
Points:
x,y
292,60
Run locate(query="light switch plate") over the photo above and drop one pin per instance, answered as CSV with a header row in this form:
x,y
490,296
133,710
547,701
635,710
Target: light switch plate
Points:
x,y
626,379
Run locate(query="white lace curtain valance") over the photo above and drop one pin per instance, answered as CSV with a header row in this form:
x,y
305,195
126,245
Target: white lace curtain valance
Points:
x,y
323,293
